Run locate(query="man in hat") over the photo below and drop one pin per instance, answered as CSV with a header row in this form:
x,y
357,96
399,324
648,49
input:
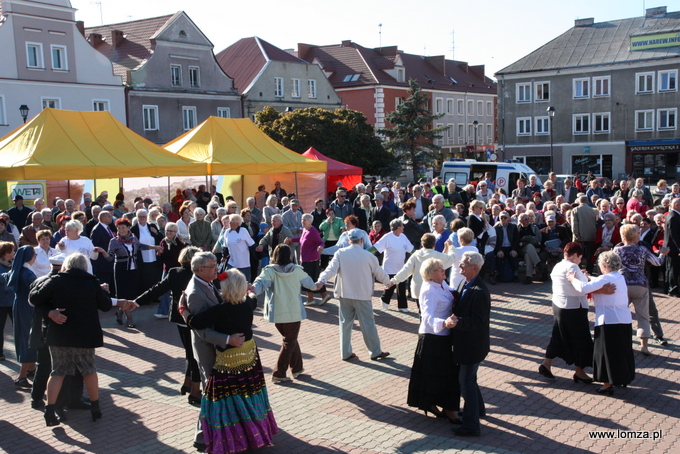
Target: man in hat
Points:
x,y
356,270
19,213
292,219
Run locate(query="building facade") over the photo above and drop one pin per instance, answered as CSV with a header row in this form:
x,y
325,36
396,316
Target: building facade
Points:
x,y
172,80
613,89
375,82
268,76
45,62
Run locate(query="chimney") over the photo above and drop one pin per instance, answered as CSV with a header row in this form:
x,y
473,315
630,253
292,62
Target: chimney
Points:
x,y
303,49
584,22
95,39
346,43
437,62
659,11
117,37
80,25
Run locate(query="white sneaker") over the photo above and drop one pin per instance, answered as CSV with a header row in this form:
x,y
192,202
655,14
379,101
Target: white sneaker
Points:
x,y
310,303
297,374
160,316
386,306
405,310
325,299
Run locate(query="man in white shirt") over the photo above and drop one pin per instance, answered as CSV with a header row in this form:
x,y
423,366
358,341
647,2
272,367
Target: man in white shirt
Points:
x,y
356,270
150,268
395,245
422,203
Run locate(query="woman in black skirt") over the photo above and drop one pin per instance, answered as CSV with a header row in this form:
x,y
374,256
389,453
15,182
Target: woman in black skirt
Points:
x,y
434,376
613,362
570,339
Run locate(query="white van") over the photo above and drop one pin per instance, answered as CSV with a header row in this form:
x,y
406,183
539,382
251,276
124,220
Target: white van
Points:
x,y
504,174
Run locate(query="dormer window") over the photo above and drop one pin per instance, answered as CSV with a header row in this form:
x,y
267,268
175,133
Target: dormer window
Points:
x,y
351,78
182,34
401,75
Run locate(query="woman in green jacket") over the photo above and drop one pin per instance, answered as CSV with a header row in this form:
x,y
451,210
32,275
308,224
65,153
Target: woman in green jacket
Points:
x,y
331,229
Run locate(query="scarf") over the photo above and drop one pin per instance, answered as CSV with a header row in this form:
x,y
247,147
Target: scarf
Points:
x,y
275,237
129,239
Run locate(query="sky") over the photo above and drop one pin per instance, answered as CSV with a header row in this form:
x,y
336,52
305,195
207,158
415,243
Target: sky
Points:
x,y
494,33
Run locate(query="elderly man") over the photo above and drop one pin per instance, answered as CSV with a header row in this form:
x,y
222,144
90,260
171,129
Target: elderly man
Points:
x,y
38,204
255,212
70,206
100,236
95,210
341,206
19,213
48,220
28,233
554,238
569,191
584,229
522,193
422,203
470,336
380,212
529,245
507,246
594,189
356,270
439,208
293,220
167,212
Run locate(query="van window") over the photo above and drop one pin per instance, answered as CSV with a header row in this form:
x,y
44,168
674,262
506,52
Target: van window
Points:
x,y
512,182
460,177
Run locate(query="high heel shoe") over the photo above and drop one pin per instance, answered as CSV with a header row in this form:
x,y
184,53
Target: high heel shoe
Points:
x,y
50,416
194,400
608,391
95,411
587,381
184,390
436,413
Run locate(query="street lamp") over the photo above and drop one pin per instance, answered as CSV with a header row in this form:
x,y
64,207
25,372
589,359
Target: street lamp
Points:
x,y
475,124
23,110
551,114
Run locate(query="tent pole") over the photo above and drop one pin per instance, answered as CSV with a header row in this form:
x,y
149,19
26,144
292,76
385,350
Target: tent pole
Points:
x,y
169,198
296,186
94,183
243,189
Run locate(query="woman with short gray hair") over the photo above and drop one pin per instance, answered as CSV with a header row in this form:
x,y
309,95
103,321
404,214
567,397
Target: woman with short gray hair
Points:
x,y
200,232
395,245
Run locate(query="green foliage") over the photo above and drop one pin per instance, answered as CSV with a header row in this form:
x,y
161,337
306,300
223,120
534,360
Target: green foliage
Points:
x,y
342,134
411,139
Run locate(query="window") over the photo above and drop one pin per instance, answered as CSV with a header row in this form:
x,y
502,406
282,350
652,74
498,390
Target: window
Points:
x,y
461,133
461,107
224,112
489,133
471,108
644,120
601,86
194,77
542,91
489,108
480,107
667,118
524,126
542,125
450,132
582,88
400,75
295,88
668,80
311,86
278,87
100,105
439,105
52,103
524,92
351,78
3,115
581,124
644,83
601,123
449,106
398,102
34,55
188,118
443,134
150,114
59,58
176,75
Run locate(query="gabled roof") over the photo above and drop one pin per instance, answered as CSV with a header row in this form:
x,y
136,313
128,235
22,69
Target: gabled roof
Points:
x,y
136,46
370,66
246,58
601,43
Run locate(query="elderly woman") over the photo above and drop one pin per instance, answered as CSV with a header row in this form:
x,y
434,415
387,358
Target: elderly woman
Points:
x,y
212,212
19,280
434,376
271,208
395,245
200,232
570,339
124,251
176,281
364,212
171,247
483,192
636,202
311,246
331,229
351,223
608,235
74,242
6,235
633,258
71,300
237,240
43,251
613,362
440,232
549,192
7,250
184,222
217,225
280,282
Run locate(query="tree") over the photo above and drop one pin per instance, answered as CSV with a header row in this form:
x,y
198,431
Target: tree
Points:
x,y
411,139
342,134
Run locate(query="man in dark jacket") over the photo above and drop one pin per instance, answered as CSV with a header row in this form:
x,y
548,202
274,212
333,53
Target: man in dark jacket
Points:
x,y
470,336
507,245
380,212
101,236
412,229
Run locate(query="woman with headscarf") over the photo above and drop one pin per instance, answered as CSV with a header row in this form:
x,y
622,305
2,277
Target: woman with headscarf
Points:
x,y
19,280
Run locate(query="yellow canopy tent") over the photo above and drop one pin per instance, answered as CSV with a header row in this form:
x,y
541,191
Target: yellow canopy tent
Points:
x,y
70,145
237,147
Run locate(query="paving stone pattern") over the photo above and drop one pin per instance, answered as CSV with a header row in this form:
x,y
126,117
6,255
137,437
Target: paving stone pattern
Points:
x,y
360,407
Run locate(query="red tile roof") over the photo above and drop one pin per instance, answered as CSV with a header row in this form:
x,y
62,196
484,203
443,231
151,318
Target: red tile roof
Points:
x,y
437,73
244,60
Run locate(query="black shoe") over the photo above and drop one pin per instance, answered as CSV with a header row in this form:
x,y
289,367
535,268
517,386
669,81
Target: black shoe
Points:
x,y
545,277
528,280
37,404
545,372
660,341
50,416
80,405
199,446
609,391
61,413
22,383
674,293
587,381
492,279
184,390
465,432
194,400
515,279
95,411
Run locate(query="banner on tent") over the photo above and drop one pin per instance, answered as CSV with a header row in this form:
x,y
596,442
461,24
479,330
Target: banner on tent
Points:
x,y
29,190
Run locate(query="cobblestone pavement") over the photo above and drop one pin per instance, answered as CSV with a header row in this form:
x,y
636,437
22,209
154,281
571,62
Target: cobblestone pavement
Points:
x,y
360,407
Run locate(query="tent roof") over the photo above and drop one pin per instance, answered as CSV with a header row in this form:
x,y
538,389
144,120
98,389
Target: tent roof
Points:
x,y
334,167
70,145
236,146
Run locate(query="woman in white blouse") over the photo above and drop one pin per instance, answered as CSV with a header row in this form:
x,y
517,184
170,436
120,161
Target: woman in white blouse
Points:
x,y
73,242
183,224
613,362
433,381
43,251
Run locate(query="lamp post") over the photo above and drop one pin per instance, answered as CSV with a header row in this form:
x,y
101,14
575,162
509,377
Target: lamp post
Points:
x,y
23,110
475,124
551,114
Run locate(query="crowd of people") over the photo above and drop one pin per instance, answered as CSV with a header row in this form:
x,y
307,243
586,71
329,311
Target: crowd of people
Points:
x,y
205,260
